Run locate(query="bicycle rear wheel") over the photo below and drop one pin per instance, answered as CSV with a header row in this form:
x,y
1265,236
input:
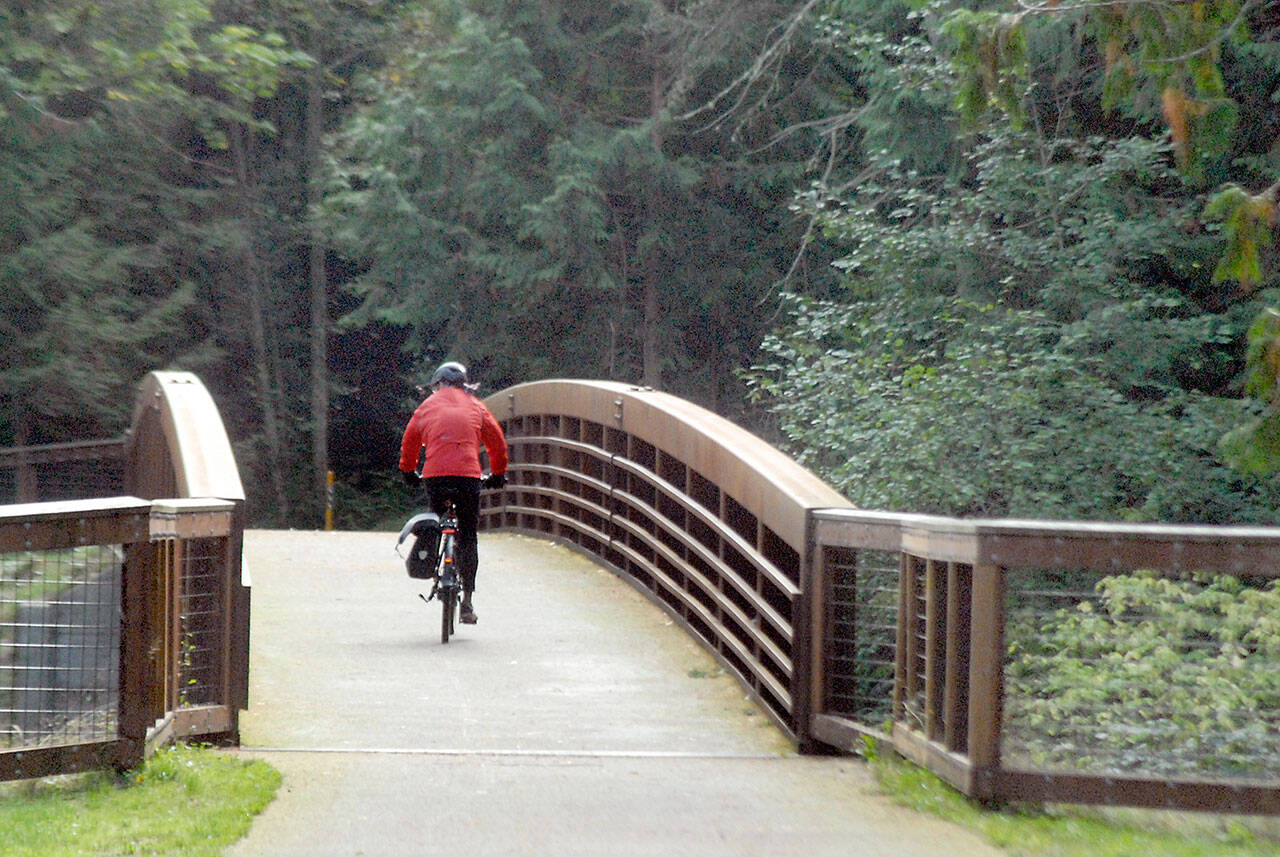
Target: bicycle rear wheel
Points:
x,y
449,578
448,608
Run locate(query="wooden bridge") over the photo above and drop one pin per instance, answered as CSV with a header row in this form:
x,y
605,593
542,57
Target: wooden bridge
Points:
x,y
841,623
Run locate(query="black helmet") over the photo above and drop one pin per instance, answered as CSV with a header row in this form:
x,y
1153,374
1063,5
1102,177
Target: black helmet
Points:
x,y
450,374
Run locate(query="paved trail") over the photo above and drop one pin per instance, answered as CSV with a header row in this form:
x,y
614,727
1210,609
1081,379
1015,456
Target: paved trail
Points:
x,y
574,719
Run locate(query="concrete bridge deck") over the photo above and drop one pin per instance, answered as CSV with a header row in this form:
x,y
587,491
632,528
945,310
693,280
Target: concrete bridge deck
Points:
x,y
574,719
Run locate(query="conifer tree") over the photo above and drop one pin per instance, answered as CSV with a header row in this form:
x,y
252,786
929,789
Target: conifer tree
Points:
x,y
541,173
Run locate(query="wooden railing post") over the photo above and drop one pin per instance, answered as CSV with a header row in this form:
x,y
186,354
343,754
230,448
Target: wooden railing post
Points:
x,y
177,454
139,651
239,601
806,646
986,677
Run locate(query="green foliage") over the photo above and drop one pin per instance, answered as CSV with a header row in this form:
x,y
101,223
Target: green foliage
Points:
x,y
1254,445
1248,227
382,504
990,55
1063,224
1001,348
906,111
939,405
85,304
1170,56
1169,63
429,185
1154,56
576,188
133,52
1160,676
99,257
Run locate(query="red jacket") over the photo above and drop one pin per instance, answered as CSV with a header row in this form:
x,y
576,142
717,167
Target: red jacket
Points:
x,y
451,424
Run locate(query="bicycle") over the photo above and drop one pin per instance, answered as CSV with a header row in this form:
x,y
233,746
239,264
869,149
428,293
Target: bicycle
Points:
x,y
433,557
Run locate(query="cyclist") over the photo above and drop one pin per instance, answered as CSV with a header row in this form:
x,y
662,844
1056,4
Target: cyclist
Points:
x,y
450,425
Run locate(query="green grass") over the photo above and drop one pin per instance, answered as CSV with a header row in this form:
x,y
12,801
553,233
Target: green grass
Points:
x,y
185,801
1072,831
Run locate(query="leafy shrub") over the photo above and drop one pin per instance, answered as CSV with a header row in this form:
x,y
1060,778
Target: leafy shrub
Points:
x,y
1159,676
1006,344
939,405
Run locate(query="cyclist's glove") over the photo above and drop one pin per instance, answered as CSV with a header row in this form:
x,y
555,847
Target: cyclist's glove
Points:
x,y
410,478
494,480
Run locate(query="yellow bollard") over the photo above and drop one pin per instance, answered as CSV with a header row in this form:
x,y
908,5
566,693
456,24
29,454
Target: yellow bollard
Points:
x,y
328,501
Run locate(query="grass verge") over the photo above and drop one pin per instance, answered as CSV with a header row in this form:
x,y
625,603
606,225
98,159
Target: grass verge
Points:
x,y
185,801
1074,831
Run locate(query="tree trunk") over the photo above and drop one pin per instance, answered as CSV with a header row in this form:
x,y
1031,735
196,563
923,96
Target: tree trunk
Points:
x,y
651,352
257,322
319,283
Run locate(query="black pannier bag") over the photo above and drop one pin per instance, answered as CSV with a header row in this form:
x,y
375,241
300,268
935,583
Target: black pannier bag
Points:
x,y
425,528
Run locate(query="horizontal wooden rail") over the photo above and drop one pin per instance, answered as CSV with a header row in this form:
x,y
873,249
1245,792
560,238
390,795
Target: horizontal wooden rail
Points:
x,y
706,518
63,471
645,549
53,453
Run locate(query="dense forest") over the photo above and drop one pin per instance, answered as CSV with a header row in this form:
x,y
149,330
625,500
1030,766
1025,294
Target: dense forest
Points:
x,y
976,258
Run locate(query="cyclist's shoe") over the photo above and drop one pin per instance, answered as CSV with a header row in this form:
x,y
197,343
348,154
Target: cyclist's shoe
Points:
x,y
467,613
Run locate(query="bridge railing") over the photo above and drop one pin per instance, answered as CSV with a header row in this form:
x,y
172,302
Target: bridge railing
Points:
x,y
986,651
1020,660
707,519
123,619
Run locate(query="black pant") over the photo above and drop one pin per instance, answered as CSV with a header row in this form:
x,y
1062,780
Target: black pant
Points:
x,y
464,491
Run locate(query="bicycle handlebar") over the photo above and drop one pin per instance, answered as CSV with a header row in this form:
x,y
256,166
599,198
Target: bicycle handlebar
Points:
x,y
487,482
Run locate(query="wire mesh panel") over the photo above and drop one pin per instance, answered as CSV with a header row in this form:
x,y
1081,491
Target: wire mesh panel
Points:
x,y
201,635
861,642
59,646
1143,675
